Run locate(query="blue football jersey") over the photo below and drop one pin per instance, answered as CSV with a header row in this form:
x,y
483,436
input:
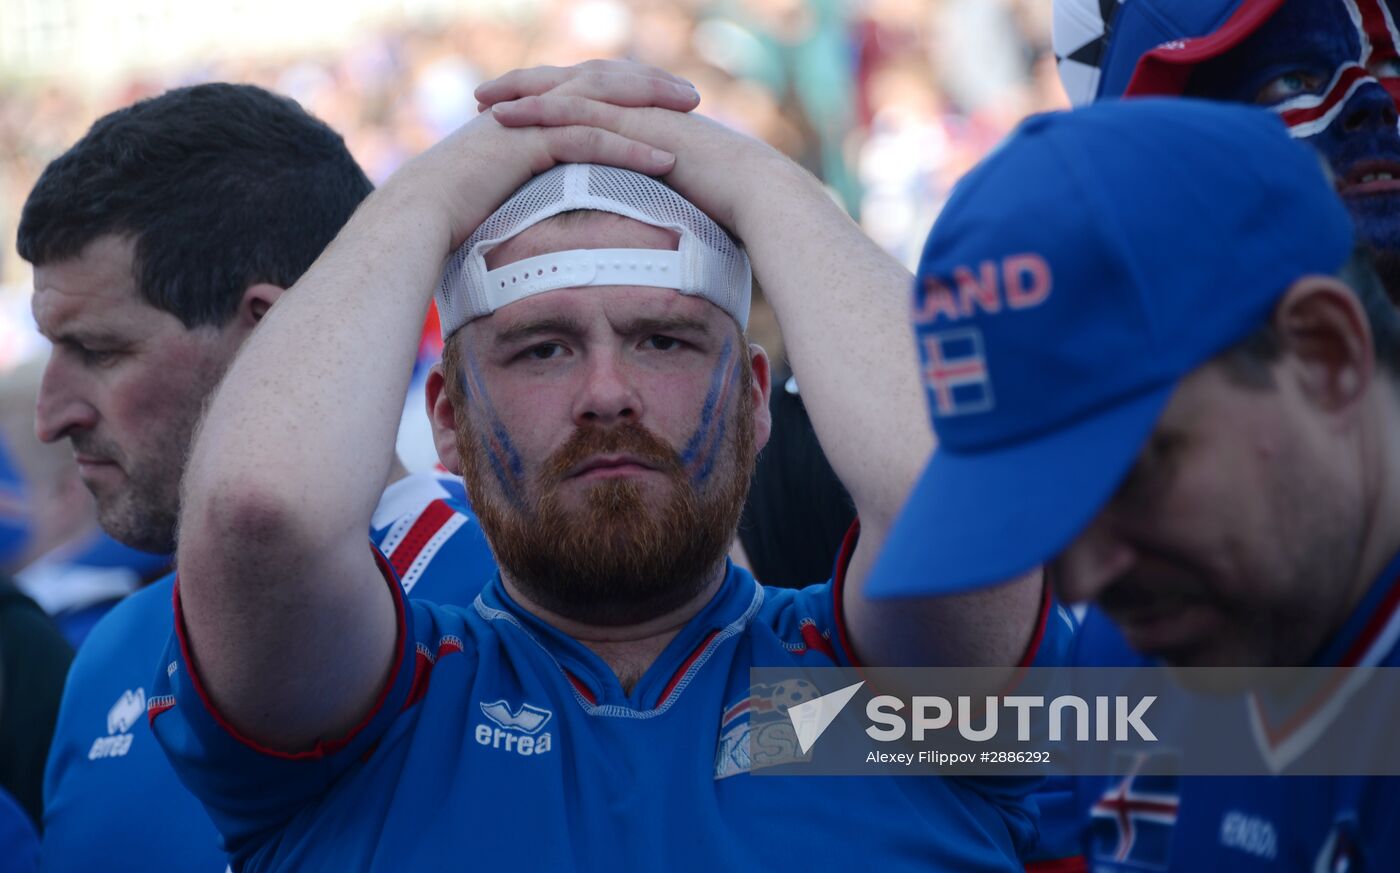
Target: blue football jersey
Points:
x,y
111,800
502,743
1337,824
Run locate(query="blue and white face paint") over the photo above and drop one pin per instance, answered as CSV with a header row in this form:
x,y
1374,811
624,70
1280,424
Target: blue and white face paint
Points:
x,y
1331,70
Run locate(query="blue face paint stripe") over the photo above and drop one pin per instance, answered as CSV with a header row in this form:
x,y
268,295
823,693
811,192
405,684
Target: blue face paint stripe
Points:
x,y
704,445
718,381
506,464
709,464
706,461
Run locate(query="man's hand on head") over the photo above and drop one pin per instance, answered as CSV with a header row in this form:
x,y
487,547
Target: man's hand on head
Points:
x,y
476,168
620,83
718,169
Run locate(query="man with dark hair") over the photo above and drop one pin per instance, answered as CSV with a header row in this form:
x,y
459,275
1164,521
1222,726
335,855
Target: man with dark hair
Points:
x,y
159,241
1197,426
592,708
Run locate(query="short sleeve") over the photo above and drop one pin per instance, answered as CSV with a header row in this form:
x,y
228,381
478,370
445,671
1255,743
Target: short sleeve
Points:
x,y
808,620
249,790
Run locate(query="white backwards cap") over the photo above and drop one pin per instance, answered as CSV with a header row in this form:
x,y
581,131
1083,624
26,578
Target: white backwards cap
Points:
x,y
708,263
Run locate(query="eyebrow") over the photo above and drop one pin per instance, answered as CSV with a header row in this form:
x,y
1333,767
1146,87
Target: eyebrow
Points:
x,y
665,324
555,324
87,338
566,326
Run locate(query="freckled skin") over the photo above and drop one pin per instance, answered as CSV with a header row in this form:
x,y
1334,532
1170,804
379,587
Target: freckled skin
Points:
x,y
125,385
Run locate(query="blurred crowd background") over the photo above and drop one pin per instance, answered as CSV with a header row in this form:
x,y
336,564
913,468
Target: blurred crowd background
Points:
x,y
887,101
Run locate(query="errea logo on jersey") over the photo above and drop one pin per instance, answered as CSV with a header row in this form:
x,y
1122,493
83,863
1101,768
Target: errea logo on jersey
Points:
x,y
517,731
128,709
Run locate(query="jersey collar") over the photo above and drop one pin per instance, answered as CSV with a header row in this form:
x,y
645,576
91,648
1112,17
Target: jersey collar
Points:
x,y
1285,729
596,686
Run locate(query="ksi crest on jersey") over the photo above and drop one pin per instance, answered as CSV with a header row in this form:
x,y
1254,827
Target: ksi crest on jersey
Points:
x,y
756,731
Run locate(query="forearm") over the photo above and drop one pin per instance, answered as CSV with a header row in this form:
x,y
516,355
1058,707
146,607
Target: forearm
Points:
x,y
306,416
289,464
842,304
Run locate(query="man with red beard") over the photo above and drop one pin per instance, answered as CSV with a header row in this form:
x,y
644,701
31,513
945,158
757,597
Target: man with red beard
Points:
x,y
592,709
1330,68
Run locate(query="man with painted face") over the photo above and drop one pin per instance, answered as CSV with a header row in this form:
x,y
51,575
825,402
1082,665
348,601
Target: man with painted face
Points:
x,y
592,709
1329,68
1201,439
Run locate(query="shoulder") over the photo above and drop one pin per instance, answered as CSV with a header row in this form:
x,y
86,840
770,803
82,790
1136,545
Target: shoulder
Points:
x,y
142,612
1100,644
804,621
409,497
427,532
116,662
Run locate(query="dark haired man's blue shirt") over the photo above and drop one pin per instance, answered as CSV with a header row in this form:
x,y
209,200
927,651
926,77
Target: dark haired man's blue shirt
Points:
x,y
1328,824
112,802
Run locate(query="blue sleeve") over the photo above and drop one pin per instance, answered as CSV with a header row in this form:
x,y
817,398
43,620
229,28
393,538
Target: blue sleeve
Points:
x,y
1058,630
248,790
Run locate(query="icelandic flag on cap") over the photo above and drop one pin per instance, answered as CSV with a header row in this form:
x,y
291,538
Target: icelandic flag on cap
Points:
x,y
955,372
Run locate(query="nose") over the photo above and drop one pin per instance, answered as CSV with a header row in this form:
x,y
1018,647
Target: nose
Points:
x,y
1371,107
609,395
60,409
1092,562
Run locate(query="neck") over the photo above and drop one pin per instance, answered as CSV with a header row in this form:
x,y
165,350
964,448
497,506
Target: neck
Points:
x,y
1380,540
631,649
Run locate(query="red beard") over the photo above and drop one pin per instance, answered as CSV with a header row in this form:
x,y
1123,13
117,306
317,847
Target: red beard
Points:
x,y
618,560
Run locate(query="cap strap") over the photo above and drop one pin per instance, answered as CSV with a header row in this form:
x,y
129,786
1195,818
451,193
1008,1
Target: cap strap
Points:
x,y
658,268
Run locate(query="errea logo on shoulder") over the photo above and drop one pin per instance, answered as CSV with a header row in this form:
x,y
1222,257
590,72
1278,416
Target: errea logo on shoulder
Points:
x,y
518,731
128,710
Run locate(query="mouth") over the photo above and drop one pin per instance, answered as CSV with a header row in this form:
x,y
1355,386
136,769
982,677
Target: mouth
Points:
x,y
611,467
90,466
1370,177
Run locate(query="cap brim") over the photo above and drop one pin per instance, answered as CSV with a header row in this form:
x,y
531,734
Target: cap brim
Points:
x,y
1165,70
985,518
